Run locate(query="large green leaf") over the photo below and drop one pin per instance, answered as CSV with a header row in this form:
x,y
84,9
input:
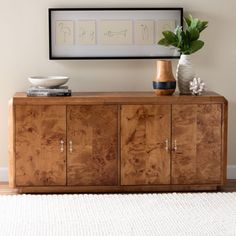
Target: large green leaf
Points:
x,y
164,42
202,25
183,41
194,34
170,37
194,23
187,41
195,46
187,21
178,32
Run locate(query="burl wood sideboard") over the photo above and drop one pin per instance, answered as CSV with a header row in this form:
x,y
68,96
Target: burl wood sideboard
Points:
x,y
117,142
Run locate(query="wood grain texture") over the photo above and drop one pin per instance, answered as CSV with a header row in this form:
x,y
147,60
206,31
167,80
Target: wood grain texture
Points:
x,y
144,130
197,131
224,142
116,98
11,144
199,165
93,132
39,131
119,145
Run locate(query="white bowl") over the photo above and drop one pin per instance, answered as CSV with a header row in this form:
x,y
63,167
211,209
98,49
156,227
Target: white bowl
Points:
x,y
48,81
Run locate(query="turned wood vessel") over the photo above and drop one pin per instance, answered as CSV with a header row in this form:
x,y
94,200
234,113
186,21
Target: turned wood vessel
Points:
x,y
164,83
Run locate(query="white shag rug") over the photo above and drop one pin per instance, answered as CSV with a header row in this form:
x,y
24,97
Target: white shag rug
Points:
x,y
115,214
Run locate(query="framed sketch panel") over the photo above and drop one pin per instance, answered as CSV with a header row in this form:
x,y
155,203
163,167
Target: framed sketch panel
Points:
x,y
111,33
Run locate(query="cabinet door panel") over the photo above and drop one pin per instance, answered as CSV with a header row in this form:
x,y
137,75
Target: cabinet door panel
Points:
x,y
39,158
92,158
144,131
197,131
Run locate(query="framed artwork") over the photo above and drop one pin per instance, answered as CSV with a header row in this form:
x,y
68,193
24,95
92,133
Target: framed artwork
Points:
x,y
111,33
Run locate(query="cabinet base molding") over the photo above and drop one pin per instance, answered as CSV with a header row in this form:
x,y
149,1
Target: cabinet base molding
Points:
x,y
118,189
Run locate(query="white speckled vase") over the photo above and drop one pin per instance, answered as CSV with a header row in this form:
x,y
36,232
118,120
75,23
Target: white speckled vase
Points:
x,y
185,73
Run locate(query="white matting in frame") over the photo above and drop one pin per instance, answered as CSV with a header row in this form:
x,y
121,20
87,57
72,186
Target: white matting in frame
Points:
x,y
111,33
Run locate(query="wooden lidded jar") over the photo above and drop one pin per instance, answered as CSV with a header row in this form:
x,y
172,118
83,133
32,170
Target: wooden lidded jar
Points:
x,y
164,83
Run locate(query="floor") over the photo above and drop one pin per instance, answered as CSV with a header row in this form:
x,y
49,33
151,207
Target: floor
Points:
x,y
5,190
178,214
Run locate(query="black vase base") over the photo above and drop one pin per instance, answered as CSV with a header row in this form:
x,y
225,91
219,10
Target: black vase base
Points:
x,y
164,88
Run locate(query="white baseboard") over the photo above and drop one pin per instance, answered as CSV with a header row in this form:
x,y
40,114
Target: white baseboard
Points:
x,y
231,173
3,174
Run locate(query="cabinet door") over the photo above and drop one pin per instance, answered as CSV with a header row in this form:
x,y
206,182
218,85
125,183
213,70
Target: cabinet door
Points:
x,y
40,155
92,145
145,134
196,132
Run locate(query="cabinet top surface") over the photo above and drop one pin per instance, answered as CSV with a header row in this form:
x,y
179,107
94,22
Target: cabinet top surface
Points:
x,y
118,97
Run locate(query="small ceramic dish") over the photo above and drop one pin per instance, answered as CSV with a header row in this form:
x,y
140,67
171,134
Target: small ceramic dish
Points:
x,y
48,81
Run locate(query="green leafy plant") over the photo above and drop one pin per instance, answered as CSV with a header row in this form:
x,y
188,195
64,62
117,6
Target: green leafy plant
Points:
x,y
186,40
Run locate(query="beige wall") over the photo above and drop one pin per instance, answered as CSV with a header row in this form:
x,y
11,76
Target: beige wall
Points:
x,y
24,52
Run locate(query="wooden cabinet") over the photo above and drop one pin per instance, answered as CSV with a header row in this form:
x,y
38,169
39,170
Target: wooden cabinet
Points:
x,y
39,135
117,142
145,137
92,141
196,135
47,136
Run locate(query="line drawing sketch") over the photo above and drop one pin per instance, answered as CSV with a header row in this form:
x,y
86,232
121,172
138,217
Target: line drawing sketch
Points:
x,y
116,32
144,32
86,32
121,33
64,32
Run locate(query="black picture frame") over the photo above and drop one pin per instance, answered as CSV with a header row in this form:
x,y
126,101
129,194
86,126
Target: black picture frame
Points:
x,y
52,43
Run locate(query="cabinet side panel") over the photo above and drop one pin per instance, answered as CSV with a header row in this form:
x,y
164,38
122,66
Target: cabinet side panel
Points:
x,y
144,131
11,144
92,145
224,141
39,160
184,137
209,153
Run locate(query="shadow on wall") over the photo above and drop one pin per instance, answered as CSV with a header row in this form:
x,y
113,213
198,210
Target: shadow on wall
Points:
x,y
231,133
